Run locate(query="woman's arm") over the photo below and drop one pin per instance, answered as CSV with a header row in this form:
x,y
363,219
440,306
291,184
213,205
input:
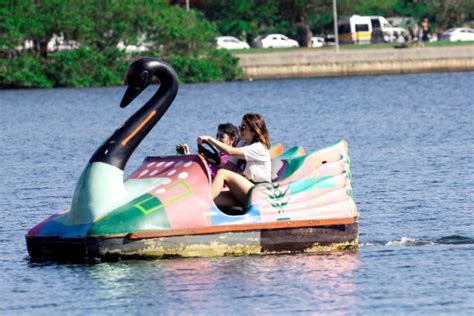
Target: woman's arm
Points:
x,y
229,150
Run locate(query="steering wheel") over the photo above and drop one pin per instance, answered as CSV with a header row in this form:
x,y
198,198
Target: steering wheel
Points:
x,y
210,153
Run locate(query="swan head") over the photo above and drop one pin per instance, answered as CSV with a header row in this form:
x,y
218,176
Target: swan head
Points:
x,y
139,77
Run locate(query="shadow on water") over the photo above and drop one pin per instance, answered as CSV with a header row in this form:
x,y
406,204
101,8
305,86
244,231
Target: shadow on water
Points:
x,y
455,240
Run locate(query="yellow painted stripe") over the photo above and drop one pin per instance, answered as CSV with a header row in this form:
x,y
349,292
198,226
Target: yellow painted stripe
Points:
x,y
363,35
355,36
135,132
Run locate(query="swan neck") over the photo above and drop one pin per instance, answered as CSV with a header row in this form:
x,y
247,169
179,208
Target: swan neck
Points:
x,y
117,150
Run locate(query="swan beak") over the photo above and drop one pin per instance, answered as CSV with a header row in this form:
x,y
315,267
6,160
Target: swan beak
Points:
x,y
130,95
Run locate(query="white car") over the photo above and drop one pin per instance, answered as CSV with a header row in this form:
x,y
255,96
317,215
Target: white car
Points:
x,y
458,34
230,42
277,41
317,41
133,48
58,43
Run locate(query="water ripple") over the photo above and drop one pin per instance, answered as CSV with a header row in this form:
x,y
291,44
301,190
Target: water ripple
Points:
x,y
413,242
410,141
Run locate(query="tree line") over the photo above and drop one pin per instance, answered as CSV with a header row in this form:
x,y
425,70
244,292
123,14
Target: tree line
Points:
x,y
184,38
301,19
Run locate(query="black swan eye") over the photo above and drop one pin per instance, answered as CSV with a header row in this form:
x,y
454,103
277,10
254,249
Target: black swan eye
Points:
x,y
144,77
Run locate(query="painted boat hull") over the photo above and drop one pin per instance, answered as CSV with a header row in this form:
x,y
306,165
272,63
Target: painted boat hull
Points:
x,y
227,240
168,212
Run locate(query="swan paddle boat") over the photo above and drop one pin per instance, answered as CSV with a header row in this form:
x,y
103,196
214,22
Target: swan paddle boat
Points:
x,y
165,208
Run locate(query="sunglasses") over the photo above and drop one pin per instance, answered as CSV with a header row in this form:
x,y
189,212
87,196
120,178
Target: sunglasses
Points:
x,y
243,127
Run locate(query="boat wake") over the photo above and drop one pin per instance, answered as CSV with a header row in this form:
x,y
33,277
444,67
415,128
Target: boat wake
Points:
x,y
413,242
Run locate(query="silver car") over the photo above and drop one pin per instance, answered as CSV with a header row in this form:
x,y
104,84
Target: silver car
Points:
x,y
458,34
275,41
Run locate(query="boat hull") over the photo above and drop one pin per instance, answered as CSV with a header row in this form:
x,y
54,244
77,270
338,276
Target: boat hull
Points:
x,y
222,242
168,211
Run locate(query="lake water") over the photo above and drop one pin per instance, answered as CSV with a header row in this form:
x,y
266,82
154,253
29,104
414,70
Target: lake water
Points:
x,y
411,141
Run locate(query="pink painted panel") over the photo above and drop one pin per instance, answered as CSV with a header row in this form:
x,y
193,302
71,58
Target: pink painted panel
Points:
x,y
185,191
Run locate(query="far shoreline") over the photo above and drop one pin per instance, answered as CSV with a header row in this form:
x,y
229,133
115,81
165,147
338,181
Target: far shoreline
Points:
x,y
268,64
304,63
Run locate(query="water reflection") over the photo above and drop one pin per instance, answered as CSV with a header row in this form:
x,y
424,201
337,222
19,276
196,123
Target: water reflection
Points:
x,y
278,283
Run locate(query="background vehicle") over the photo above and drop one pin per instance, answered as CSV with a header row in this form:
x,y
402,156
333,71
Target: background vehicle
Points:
x,y
133,48
355,29
383,31
317,41
330,39
230,42
59,43
458,34
369,29
275,41
403,22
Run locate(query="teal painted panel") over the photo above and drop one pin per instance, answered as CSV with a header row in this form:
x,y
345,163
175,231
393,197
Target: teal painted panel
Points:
x,y
143,213
311,184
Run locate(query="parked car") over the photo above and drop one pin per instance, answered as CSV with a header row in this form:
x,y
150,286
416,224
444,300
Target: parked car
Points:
x,y
458,34
275,41
134,48
59,43
317,41
230,42
330,39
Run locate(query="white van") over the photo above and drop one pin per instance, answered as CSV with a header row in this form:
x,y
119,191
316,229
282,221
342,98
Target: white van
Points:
x,y
359,29
383,31
355,29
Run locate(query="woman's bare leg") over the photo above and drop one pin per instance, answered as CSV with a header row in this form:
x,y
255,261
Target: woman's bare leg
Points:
x,y
238,185
217,183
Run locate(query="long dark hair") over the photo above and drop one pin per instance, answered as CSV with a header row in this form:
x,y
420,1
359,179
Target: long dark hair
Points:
x,y
257,124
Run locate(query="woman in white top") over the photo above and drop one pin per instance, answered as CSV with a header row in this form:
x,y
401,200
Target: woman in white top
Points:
x,y
253,131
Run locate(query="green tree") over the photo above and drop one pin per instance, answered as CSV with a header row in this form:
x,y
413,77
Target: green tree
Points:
x,y
38,21
300,13
367,7
174,30
182,37
451,13
100,25
241,18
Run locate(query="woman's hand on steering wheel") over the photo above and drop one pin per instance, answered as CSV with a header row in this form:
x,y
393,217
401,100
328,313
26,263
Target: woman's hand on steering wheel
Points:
x,y
210,152
202,139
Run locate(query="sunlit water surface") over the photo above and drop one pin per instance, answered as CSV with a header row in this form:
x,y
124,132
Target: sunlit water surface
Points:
x,y
411,140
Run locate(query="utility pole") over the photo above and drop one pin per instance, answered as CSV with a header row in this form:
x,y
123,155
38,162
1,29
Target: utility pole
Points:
x,y
187,5
336,34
